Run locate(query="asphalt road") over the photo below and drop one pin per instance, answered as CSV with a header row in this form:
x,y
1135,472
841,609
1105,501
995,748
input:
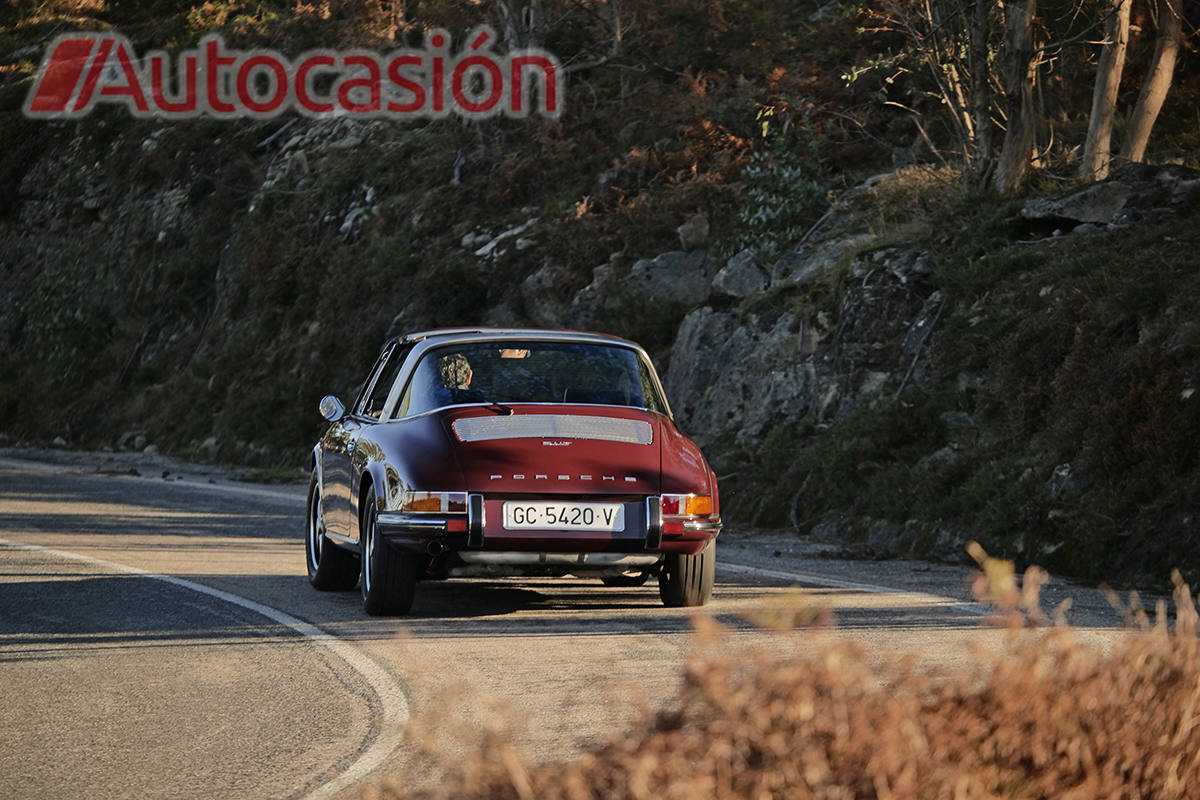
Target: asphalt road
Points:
x,y
158,638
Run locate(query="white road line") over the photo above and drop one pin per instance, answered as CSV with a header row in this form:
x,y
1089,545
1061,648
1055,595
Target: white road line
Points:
x,y
392,701
951,603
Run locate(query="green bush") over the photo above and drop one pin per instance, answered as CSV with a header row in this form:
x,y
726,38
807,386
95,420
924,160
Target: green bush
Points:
x,y
783,197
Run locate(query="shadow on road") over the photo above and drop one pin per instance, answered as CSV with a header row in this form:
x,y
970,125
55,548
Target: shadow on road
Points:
x,y
44,618
252,547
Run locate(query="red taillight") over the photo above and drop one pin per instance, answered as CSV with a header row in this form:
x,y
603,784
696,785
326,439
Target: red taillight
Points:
x,y
687,505
673,527
456,525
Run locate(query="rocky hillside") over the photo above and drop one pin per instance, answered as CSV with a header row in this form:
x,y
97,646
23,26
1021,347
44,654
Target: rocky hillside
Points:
x,y
875,356
1022,374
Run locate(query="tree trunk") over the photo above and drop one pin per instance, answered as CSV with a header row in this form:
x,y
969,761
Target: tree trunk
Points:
x,y
1020,71
1097,151
1154,91
982,159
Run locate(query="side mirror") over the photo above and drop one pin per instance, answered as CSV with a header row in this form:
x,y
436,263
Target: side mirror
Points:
x,y
332,408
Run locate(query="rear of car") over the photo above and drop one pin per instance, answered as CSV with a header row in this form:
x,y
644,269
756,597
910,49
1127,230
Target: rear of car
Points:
x,y
532,453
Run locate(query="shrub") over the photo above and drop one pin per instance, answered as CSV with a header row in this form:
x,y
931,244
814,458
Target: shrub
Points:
x,y
1051,717
783,198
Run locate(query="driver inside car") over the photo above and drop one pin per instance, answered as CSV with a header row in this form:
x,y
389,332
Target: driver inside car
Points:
x,y
456,375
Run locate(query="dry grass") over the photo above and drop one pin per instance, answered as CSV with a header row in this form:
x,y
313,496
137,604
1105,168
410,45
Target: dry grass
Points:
x,y
1050,717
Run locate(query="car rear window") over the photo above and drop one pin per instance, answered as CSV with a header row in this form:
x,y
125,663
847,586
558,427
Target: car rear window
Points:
x,y
530,372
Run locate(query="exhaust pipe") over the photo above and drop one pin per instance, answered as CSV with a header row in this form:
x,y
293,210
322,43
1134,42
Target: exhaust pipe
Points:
x,y
435,547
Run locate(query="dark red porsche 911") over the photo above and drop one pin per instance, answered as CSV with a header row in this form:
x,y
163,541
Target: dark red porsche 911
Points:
x,y
492,452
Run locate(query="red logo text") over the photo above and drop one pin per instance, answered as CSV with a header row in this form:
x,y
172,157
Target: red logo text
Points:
x,y
82,70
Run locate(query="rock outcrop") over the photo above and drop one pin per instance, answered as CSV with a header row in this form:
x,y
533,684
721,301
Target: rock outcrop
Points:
x,y
1134,193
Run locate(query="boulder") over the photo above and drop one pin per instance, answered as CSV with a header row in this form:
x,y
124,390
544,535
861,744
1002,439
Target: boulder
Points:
x,y
592,301
546,294
1098,203
729,377
693,234
673,276
741,276
802,265
1132,193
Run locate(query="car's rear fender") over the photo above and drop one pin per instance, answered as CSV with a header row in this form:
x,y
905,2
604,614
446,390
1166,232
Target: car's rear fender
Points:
x,y
373,476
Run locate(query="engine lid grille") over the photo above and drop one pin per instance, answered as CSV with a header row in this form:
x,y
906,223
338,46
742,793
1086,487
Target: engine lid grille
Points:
x,y
553,426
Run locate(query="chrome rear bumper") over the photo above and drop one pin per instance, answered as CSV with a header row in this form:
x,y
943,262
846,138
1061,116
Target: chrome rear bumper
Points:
x,y
516,563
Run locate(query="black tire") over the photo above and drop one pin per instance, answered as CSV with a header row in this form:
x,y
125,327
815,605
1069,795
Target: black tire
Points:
x,y
688,580
330,568
638,579
389,576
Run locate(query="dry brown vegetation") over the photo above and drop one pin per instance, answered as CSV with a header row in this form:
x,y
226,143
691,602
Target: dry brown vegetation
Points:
x,y
1049,717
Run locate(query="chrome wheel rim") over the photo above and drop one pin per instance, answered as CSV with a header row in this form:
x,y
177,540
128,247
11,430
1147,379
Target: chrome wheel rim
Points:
x,y
316,531
368,551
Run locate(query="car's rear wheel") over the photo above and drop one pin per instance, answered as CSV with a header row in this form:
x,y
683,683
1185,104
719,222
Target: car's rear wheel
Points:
x,y
688,580
636,579
330,568
389,576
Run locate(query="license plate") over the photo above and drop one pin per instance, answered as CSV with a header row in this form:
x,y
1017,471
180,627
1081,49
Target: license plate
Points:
x,y
564,516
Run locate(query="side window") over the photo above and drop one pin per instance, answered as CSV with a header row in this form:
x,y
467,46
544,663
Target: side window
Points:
x,y
373,405
426,391
650,397
361,398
